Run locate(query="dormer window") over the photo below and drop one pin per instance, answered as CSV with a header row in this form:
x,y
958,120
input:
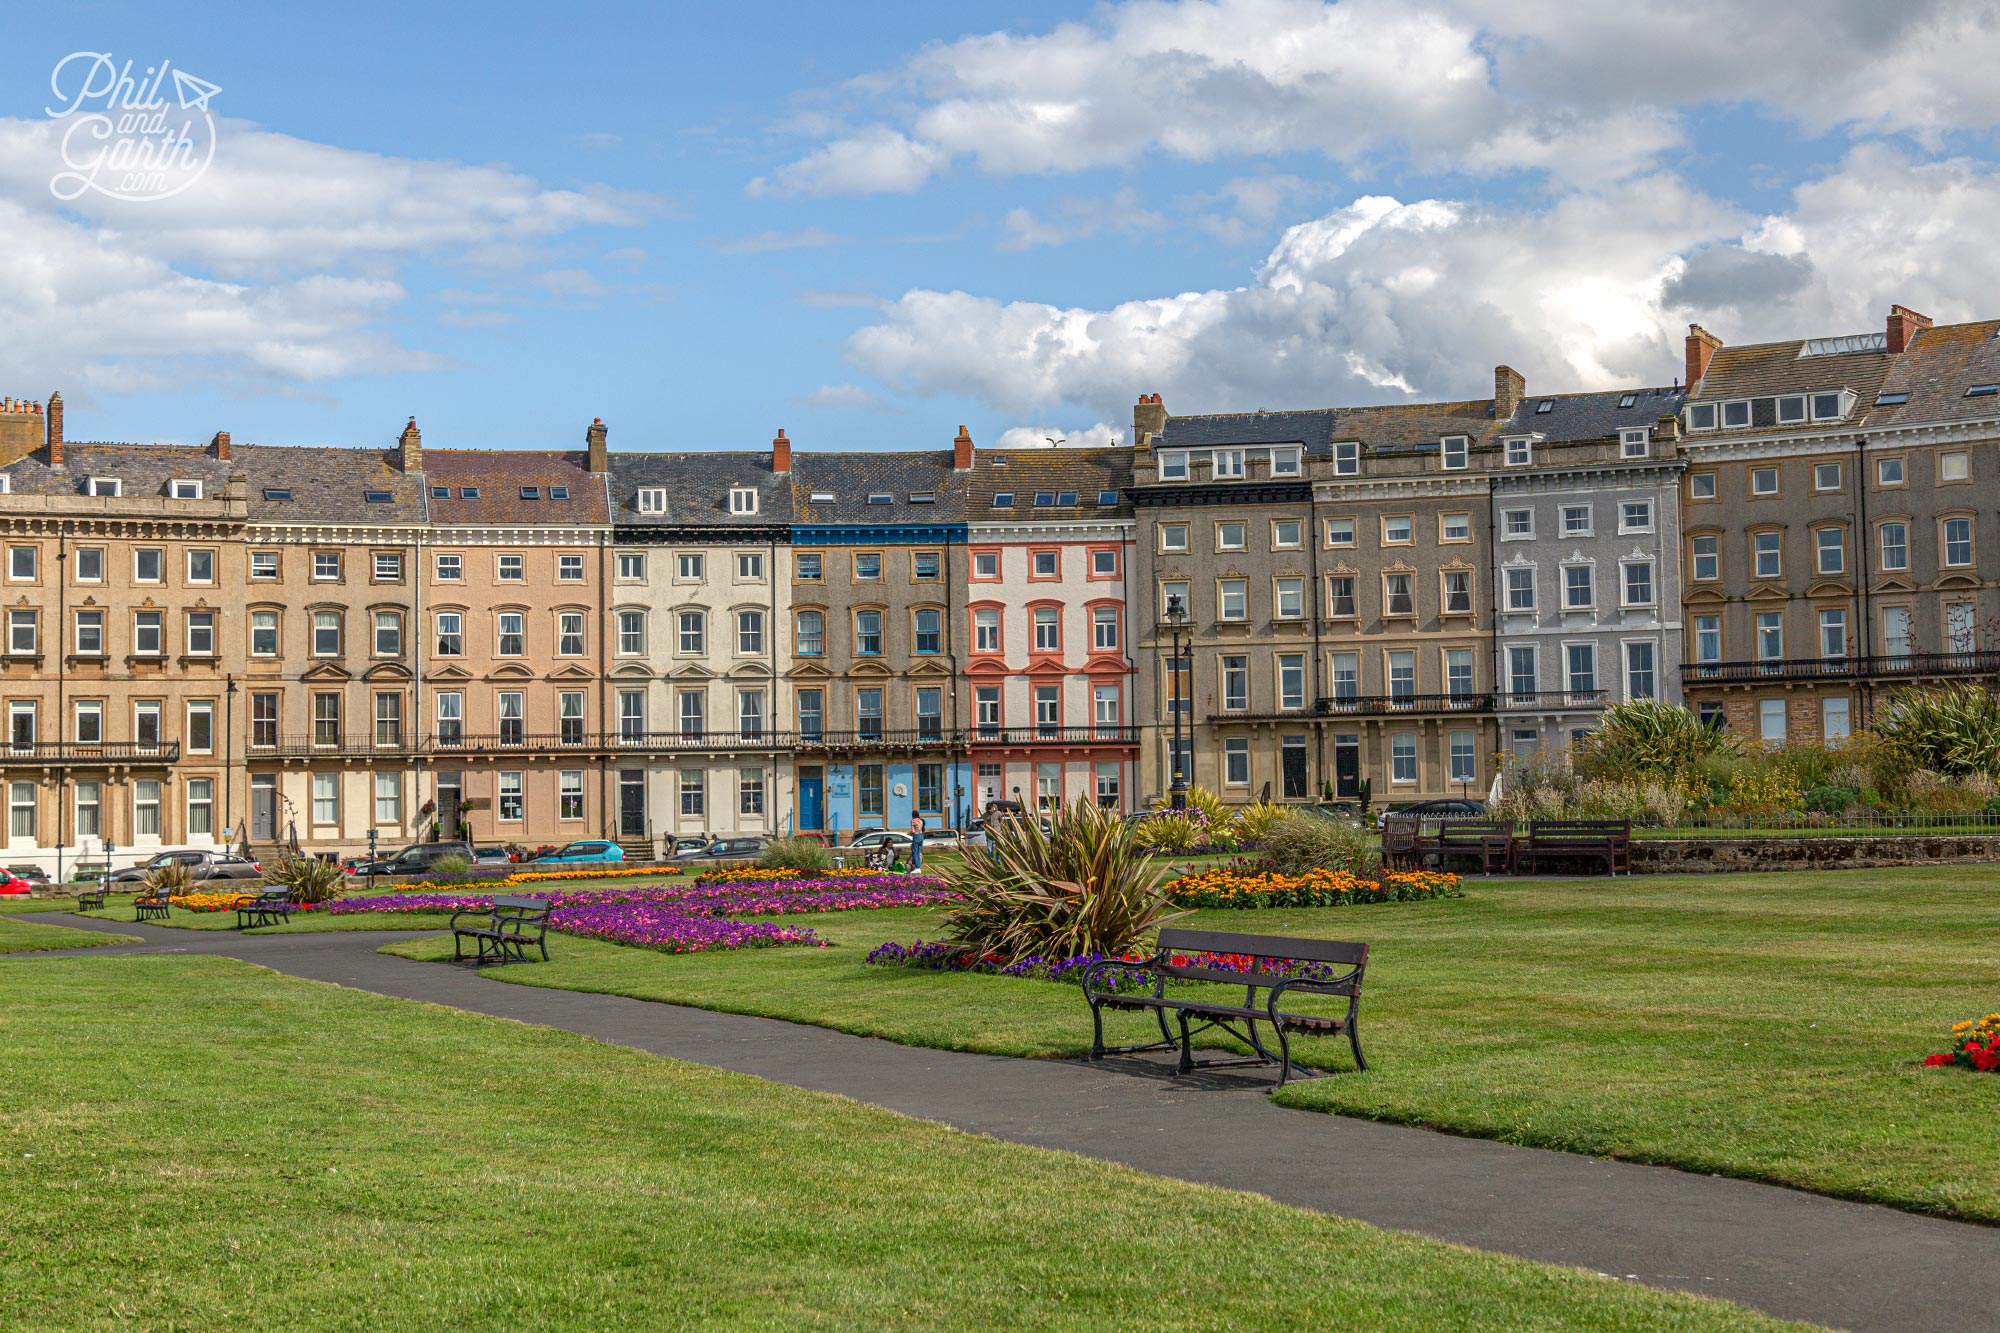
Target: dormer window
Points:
x,y
1701,416
1828,406
1174,466
1228,464
182,488
106,486
742,500
1455,453
1736,414
6,484
1284,463
1791,409
1346,458
1634,444
653,500
531,492
1520,452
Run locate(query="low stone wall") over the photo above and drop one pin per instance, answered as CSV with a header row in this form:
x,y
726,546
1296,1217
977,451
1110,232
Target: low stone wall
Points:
x,y
1676,856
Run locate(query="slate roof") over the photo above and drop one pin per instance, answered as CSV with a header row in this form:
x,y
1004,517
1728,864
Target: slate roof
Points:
x,y
327,485
1940,365
1400,424
499,475
1578,417
852,478
1758,370
145,469
697,487
1311,427
1025,473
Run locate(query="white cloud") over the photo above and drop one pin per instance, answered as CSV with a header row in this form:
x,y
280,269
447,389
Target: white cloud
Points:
x,y
283,262
842,398
1077,219
1095,436
766,241
1584,94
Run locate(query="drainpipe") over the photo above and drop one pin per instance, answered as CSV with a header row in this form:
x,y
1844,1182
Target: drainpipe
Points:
x,y
62,652
1864,576
418,632
959,750
1319,731
777,627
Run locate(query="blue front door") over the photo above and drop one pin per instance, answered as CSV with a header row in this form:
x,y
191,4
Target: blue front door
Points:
x,y
812,806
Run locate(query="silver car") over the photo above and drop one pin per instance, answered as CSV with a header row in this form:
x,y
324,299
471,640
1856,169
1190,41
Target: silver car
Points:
x,y
202,864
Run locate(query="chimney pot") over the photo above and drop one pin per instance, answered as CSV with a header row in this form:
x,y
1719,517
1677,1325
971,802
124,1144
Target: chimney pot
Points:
x,y
410,448
781,453
1149,418
597,444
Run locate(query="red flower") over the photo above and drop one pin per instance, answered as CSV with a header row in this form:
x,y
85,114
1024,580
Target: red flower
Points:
x,y
1933,1061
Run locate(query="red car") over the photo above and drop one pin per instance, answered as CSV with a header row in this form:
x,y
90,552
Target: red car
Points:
x,y
14,884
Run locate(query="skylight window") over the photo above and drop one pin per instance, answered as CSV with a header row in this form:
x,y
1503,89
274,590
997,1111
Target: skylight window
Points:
x,y
999,460
531,492
440,492
377,497
468,492
1546,405
1066,498
1044,499
1982,390
1003,499
277,493
1628,400
923,498
558,492
822,497
1891,399
1107,497
881,498
1853,342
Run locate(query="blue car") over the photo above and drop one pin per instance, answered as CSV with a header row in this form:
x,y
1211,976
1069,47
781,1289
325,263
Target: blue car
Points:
x,y
589,850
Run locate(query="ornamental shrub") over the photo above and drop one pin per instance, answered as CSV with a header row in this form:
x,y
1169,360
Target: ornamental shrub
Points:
x,y
1951,729
1831,800
1255,822
171,878
452,864
796,854
1650,739
1299,844
1172,831
308,880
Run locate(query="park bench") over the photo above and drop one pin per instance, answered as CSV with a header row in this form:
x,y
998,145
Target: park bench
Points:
x,y
1277,966
1605,840
90,900
503,932
1488,841
150,903
266,907
1400,841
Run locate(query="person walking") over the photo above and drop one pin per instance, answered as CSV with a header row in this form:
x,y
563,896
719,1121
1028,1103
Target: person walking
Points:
x,y
916,843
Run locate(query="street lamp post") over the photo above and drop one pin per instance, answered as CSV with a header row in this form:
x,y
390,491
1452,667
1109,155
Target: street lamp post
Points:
x,y
372,837
1177,623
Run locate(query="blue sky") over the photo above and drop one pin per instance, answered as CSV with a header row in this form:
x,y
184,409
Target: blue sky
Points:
x,y
872,223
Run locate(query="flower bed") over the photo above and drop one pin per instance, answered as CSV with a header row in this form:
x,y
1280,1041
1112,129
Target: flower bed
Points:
x,y
947,956
747,874
1974,1045
1231,887
207,902
519,877
672,929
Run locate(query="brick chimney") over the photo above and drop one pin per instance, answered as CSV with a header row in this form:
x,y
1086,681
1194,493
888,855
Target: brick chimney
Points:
x,y
961,452
1149,418
781,453
1905,324
22,427
1701,345
1509,388
410,448
220,444
596,439
54,425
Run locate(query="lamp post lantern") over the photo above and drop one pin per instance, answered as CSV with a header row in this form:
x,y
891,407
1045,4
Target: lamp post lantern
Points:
x,y
1181,696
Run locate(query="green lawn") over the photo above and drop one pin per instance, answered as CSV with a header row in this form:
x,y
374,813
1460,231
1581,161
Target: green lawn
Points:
x,y
1768,1026
33,936
243,1148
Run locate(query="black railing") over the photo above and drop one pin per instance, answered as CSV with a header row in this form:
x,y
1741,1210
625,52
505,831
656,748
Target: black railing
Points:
x,y
1898,666
1107,734
91,752
870,738
1459,701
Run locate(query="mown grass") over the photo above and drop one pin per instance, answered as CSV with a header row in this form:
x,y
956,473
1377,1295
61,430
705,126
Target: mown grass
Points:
x,y
1770,1026
247,1149
34,937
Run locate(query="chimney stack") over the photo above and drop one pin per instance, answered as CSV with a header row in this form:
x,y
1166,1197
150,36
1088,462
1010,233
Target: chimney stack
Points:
x,y
410,448
1149,418
54,421
1905,324
1509,388
221,444
596,438
961,452
781,453
1701,345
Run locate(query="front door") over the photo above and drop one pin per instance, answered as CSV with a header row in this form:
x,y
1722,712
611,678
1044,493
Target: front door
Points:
x,y
264,807
812,799
1294,770
631,803
1347,765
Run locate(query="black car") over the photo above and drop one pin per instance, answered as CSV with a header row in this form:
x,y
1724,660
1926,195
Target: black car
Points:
x,y
1450,807
412,860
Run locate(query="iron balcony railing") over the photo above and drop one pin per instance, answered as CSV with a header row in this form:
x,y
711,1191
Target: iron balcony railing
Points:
x,y
294,746
1553,698
1458,701
1106,734
91,752
871,738
1896,666
738,738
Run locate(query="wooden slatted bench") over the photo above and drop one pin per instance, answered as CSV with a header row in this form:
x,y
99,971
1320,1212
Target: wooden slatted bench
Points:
x,y
266,907
1489,841
1272,964
1605,840
503,932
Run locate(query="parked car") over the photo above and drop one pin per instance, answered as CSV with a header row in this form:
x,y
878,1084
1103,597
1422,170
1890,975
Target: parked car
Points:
x,y
492,856
412,860
1344,812
202,863
1450,807
583,852
687,843
35,875
724,849
935,839
12,885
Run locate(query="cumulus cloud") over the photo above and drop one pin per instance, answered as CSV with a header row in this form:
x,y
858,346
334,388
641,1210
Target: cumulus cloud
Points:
x,y
1096,436
1077,219
1582,94
842,398
766,241
282,263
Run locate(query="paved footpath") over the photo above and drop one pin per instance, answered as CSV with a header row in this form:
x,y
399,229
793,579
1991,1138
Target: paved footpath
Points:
x,y
1800,1256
